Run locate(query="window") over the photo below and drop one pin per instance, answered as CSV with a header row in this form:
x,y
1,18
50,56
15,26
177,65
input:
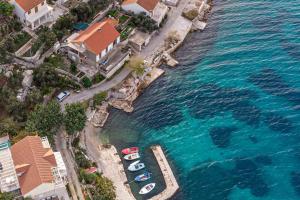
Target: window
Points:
x,y
43,3
36,9
29,12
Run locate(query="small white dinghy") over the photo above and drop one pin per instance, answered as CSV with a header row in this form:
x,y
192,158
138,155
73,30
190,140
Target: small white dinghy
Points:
x,y
135,166
133,156
147,188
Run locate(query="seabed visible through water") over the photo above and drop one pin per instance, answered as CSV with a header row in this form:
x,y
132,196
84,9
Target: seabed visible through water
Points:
x,y
227,116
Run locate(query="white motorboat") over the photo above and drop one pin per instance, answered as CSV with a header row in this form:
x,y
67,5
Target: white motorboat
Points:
x,y
135,166
133,156
147,188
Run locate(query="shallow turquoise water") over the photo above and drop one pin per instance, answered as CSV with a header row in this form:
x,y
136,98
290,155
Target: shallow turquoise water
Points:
x,y
228,115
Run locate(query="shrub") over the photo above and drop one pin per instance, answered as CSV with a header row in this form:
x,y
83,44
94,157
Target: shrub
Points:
x,y
73,67
144,23
81,160
191,14
98,78
98,98
86,82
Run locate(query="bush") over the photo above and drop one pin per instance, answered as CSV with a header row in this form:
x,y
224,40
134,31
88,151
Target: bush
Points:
x,y
82,161
98,98
86,82
98,78
73,67
13,43
144,23
89,178
191,14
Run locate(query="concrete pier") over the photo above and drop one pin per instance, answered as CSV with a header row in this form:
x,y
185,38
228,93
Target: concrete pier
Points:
x,y
171,183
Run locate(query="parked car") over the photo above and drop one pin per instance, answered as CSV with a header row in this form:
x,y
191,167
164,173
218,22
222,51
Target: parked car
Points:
x,y
62,96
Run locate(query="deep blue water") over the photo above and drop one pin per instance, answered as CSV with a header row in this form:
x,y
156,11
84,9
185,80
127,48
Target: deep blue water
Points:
x,y
228,117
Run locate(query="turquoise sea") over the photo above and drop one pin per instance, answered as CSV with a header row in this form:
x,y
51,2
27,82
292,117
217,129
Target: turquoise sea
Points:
x,y
228,117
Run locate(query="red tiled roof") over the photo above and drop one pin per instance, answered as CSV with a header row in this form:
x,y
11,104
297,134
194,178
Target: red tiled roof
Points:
x,y
147,4
97,37
28,4
35,161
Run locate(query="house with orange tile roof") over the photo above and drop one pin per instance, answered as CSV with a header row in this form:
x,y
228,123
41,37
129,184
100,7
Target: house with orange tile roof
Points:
x,y
94,43
33,13
153,8
96,46
41,172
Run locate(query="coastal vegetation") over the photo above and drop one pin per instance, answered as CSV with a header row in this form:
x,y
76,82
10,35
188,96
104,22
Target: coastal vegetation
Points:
x,y
74,118
143,22
101,188
99,98
45,119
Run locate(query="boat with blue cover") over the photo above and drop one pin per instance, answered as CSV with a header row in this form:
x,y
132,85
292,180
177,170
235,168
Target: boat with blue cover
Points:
x,y
143,177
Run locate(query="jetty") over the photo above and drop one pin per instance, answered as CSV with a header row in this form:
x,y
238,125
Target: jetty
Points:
x,y
170,180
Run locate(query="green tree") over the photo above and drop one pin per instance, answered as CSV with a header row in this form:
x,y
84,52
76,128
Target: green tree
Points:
x,y
74,118
82,161
45,119
86,82
8,126
6,196
104,189
144,23
6,9
48,37
83,12
89,178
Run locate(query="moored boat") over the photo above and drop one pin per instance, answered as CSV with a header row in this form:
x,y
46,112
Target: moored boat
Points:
x,y
147,188
130,150
143,177
135,166
133,156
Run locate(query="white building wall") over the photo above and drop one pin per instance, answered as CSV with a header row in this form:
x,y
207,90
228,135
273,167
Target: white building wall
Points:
x,y
134,7
19,12
110,47
103,53
47,190
44,12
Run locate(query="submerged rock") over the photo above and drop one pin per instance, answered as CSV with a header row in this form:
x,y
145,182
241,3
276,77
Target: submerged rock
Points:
x,y
272,83
263,159
210,182
248,175
278,123
221,135
295,181
253,139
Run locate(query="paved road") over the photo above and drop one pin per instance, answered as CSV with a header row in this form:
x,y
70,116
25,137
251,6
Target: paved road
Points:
x,y
75,187
89,93
157,41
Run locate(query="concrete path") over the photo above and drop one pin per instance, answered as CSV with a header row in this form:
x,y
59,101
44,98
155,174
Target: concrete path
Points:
x,y
61,146
158,40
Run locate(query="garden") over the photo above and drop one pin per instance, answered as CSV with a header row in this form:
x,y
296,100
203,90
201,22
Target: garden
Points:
x,y
14,42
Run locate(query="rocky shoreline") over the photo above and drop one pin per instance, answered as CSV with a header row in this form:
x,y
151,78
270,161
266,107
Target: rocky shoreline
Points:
x,y
123,95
